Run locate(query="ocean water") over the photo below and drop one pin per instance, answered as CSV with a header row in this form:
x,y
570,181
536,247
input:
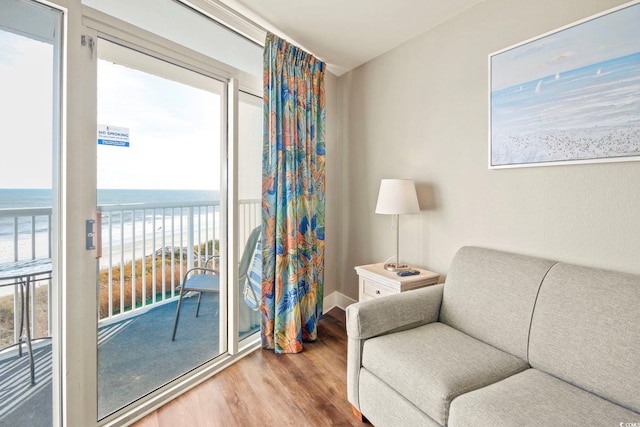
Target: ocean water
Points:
x,y
587,113
121,228
28,198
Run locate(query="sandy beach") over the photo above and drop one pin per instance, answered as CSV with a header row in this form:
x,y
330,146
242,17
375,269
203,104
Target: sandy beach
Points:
x,y
118,255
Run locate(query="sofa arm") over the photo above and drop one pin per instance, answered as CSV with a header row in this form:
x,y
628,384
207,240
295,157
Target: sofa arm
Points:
x,y
380,316
395,312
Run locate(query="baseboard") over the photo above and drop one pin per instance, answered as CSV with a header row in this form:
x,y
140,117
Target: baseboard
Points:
x,y
336,299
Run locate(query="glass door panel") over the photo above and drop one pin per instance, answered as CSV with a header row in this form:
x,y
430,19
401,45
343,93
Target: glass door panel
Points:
x,y
159,186
249,208
30,40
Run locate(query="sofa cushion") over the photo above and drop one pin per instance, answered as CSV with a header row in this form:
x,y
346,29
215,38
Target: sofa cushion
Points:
x,y
533,398
383,406
490,295
432,364
586,330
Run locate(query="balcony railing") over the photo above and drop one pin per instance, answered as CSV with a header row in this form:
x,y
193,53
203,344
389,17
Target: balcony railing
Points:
x,y
146,249
24,234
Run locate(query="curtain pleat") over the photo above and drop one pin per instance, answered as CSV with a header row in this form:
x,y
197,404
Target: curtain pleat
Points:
x,y
293,196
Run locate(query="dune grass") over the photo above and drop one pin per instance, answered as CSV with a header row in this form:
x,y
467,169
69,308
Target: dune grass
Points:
x,y
150,279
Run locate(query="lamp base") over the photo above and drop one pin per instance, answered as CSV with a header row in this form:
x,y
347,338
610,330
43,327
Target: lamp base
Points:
x,y
391,266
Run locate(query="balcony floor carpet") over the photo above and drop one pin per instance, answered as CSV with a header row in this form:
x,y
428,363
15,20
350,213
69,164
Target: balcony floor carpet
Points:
x,y
23,404
135,357
141,357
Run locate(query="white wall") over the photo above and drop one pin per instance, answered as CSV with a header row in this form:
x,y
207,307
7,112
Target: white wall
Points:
x,y
420,112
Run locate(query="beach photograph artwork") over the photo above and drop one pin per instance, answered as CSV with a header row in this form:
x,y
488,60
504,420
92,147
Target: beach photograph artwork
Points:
x,y
569,96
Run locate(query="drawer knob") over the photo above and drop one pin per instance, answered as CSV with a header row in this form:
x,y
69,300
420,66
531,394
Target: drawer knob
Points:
x,y
378,292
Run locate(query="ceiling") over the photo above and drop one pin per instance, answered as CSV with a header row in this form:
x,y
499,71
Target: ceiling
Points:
x,y
348,33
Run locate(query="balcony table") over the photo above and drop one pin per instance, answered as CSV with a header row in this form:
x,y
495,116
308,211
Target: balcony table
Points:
x,y
25,273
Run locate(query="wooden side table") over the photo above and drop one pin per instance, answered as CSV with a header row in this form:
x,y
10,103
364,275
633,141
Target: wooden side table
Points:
x,y
375,281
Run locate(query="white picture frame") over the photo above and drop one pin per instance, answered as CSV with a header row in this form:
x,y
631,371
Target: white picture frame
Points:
x,y
568,96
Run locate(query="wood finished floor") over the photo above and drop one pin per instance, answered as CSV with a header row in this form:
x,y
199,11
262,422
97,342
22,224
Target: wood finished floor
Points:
x,y
265,389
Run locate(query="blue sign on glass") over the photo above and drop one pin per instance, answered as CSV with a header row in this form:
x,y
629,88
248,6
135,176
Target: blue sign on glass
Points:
x,y
113,135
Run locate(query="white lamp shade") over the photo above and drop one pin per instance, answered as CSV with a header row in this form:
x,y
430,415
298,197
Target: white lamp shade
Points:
x,y
397,197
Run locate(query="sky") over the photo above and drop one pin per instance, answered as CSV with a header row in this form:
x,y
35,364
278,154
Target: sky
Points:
x,y
25,112
174,132
174,128
610,36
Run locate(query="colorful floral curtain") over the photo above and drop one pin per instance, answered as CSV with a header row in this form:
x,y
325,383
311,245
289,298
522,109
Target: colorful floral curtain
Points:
x,y
293,187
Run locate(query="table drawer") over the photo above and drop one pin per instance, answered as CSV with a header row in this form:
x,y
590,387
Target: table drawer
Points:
x,y
374,290
375,281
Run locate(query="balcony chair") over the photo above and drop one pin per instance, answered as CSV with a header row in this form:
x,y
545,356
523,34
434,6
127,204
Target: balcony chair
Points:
x,y
207,280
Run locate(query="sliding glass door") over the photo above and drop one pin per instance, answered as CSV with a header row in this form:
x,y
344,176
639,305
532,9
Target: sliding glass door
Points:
x,y
128,144
116,170
30,69
160,189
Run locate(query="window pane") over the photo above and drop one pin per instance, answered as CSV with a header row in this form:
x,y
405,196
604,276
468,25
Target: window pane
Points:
x,y
29,119
249,195
159,186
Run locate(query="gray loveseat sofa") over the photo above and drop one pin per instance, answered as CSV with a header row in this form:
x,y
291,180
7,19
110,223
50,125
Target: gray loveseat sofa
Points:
x,y
508,340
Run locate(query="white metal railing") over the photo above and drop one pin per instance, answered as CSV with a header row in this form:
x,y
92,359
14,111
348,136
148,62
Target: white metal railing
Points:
x,y
146,249
26,234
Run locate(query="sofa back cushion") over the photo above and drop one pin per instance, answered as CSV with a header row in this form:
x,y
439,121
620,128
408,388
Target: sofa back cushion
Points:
x,y
586,330
490,295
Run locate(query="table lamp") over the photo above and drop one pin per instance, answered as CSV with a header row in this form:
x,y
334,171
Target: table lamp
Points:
x,y
397,197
